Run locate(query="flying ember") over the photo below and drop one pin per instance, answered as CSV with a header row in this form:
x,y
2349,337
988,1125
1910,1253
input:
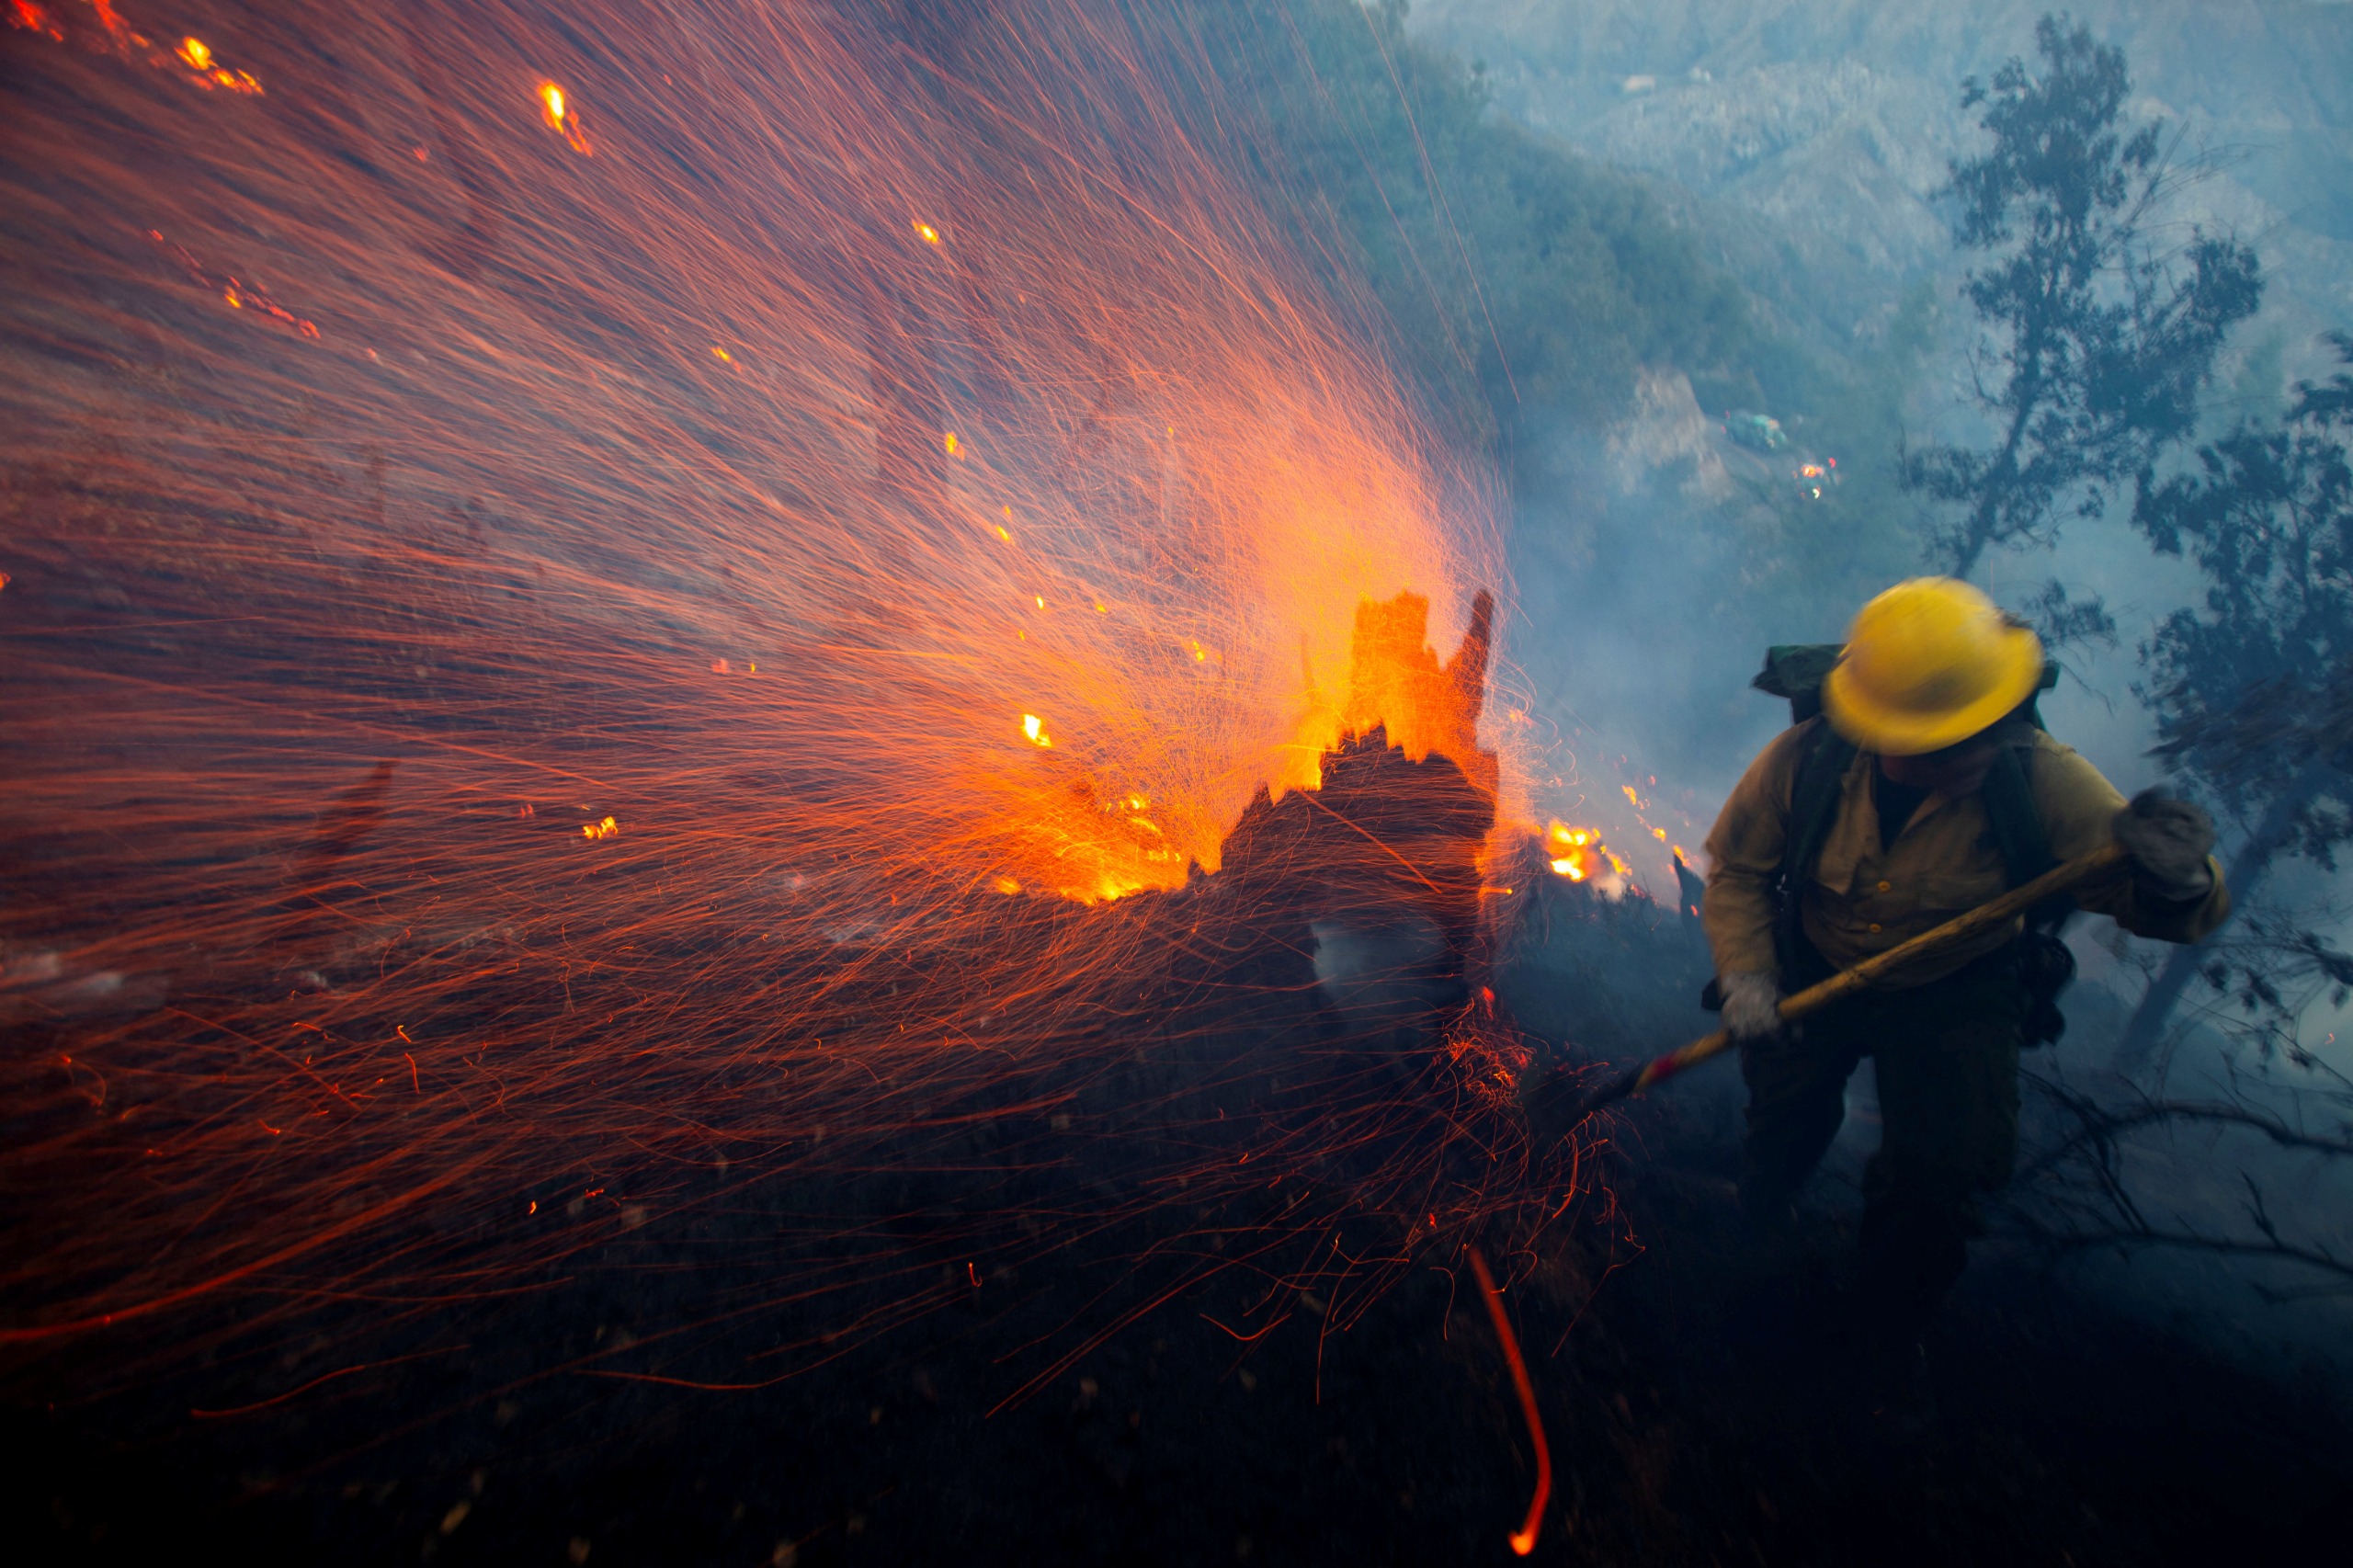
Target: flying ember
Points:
x,y
556,112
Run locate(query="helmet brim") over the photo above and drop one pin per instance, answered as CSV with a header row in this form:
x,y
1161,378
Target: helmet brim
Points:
x,y
1892,732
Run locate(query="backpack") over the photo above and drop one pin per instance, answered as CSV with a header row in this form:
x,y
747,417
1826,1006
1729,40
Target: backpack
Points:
x,y
1795,672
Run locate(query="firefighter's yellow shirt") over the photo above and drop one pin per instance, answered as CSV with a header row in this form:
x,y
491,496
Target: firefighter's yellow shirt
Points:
x,y
1863,900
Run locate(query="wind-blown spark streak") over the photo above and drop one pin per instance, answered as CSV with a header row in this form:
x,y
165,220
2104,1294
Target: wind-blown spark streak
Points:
x,y
1523,1540
802,631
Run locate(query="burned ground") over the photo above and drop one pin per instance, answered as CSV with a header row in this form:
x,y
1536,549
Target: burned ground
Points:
x,y
1032,1344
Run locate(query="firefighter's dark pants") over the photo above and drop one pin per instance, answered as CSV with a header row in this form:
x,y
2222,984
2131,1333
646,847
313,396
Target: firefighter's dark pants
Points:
x,y
1946,1054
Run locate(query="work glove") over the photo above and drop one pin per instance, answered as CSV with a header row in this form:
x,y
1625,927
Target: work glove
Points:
x,y
2167,840
1752,1007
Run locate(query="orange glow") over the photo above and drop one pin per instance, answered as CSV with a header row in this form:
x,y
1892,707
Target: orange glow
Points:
x,y
1035,729
930,235
32,18
594,830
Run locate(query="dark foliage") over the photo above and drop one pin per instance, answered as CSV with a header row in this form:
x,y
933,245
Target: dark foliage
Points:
x,y
2252,692
2096,346
2064,620
2265,670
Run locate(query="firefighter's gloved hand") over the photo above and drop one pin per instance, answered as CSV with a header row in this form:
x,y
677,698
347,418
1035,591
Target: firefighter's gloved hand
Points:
x,y
1752,1008
2168,840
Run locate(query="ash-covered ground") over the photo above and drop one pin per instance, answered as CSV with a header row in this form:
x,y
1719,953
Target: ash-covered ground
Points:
x,y
1072,1330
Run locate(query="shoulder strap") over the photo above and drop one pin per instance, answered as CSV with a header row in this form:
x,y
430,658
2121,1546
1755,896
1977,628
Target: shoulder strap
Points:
x,y
1814,803
2009,794
1814,807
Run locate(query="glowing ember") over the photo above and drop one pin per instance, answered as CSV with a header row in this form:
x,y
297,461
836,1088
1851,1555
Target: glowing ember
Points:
x,y
193,59
557,113
236,294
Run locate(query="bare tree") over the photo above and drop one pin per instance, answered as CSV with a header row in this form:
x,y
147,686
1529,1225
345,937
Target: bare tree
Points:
x,y
2077,1193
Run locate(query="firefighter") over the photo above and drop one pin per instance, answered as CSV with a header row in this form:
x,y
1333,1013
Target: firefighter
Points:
x,y
1923,787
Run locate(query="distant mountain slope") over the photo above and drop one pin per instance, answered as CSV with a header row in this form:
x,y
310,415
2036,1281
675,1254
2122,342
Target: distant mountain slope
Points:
x,y
1835,118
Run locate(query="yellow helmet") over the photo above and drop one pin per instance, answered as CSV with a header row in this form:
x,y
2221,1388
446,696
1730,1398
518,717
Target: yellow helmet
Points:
x,y
1928,663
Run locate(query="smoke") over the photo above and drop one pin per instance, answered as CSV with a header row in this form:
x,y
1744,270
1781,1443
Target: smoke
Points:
x,y
1802,146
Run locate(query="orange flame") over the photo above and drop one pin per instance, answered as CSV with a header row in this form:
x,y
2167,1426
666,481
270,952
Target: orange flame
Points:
x,y
1576,852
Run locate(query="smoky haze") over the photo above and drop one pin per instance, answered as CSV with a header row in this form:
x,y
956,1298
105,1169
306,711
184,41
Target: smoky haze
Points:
x,y
879,780
1805,146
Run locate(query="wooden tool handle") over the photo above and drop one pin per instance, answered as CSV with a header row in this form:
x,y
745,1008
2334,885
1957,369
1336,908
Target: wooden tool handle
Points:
x,y
1956,932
